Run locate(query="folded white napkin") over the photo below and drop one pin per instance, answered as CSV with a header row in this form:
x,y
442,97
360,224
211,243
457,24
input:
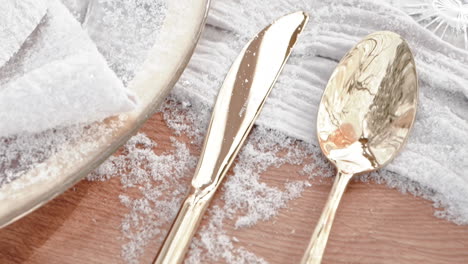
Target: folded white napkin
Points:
x,y
18,18
58,78
123,31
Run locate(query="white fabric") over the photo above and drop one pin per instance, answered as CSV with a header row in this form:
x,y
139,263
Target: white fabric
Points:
x,y
58,78
123,31
18,18
437,153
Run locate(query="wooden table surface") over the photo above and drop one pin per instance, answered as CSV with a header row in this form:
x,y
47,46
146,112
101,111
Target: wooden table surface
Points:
x,y
374,224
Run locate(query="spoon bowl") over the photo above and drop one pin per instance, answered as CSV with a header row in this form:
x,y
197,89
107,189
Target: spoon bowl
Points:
x,y
365,116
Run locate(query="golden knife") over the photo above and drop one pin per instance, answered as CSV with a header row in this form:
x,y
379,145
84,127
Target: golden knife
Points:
x,y
240,100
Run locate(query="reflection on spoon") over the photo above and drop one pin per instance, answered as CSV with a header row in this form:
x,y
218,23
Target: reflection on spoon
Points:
x,y
365,116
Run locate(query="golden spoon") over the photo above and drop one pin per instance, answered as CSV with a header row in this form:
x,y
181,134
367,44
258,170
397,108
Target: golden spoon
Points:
x,y
365,116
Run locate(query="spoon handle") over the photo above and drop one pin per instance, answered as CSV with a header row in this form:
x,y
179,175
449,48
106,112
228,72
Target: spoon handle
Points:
x,y
319,239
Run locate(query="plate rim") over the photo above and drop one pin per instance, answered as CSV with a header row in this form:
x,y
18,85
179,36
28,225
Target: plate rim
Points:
x,y
14,205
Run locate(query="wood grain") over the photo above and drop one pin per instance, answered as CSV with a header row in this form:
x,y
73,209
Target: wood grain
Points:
x,y
374,224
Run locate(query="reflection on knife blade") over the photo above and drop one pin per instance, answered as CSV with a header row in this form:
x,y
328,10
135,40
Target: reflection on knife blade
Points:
x,y
239,102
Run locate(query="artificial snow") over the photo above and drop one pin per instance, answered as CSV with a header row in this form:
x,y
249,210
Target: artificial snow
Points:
x,y
138,166
123,31
58,79
18,18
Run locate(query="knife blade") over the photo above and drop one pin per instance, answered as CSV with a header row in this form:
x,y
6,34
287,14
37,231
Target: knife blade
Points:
x,y
239,102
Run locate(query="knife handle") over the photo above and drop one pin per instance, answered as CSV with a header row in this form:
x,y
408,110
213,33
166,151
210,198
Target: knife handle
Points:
x,y
180,235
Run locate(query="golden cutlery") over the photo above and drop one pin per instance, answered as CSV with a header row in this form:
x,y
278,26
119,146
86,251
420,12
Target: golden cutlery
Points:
x,y
240,100
365,116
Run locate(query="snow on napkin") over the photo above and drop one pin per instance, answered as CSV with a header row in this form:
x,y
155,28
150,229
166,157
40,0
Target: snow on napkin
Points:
x,y
58,78
123,31
18,18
